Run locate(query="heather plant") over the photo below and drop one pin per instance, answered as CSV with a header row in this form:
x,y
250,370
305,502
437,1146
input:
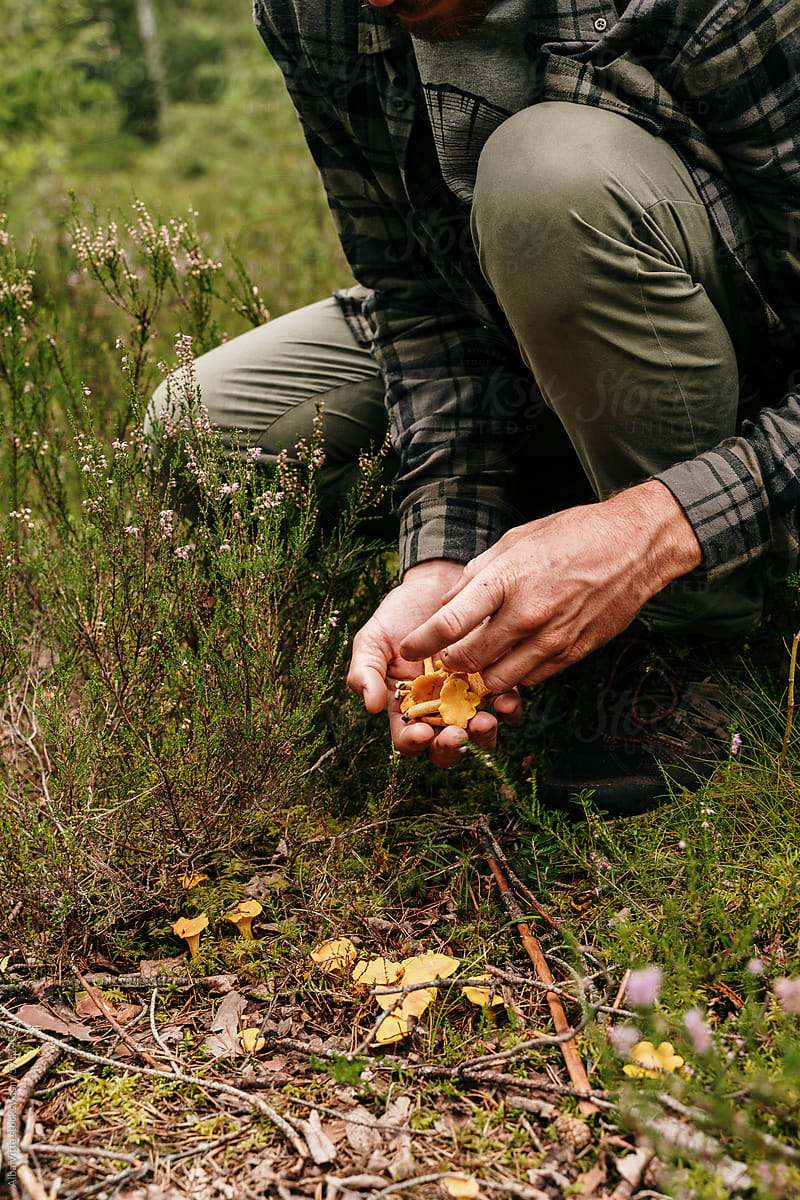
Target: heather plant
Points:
x,y
172,617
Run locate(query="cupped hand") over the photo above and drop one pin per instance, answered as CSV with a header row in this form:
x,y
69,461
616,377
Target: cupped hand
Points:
x,y
551,591
376,661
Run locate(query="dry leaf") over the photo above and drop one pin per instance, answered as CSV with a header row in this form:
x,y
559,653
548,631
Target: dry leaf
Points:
x,y
223,1041
274,1063
402,1165
460,1185
335,956
364,1138
319,1144
220,983
590,1181
22,1061
87,1006
40,1018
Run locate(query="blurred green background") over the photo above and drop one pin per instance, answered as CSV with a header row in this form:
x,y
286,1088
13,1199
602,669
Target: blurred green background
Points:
x,y
178,105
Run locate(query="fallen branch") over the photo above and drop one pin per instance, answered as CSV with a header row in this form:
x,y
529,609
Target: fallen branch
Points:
x,y
11,1151
768,1143
468,1071
85,1152
266,1110
572,1059
176,1066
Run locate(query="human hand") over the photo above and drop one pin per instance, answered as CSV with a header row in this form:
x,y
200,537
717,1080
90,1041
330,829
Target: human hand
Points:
x,y
376,658
557,588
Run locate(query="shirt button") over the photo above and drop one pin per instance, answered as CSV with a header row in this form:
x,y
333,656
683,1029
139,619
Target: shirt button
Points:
x,y
398,104
601,24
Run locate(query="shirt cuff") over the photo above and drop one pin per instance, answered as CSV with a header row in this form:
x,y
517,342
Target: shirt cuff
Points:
x,y
727,507
458,528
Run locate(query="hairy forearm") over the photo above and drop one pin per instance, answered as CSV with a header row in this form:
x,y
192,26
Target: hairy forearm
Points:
x,y
660,531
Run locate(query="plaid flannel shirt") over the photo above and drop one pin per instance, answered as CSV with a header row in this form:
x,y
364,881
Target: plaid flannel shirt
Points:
x,y
720,80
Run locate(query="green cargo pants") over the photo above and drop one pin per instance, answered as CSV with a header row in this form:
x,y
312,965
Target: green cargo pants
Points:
x,y
600,251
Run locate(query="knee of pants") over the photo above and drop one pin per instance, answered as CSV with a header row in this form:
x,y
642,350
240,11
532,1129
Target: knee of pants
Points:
x,y
542,185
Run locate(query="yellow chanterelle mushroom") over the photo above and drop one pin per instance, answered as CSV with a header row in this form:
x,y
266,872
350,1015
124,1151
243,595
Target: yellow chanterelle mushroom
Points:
x,y
190,928
441,696
242,917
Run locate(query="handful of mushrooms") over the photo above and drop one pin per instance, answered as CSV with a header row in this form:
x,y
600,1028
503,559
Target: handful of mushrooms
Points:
x,y
442,697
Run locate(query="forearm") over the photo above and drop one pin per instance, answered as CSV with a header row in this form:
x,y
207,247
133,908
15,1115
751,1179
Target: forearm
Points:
x,y
661,537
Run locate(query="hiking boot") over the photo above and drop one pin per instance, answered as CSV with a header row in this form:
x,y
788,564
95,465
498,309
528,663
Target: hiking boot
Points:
x,y
660,723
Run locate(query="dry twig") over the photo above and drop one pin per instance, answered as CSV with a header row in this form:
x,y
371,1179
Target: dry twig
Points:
x,y
572,1059
12,1153
281,1123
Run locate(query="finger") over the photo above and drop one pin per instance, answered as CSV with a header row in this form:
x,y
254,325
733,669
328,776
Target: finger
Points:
x,y
412,740
530,662
366,678
483,731
477,600
508,706
448,747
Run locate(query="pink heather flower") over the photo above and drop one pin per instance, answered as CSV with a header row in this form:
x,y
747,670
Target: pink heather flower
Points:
x,y
736,742
787,993
699,1030
623,1038
225,546
131,529
644,986
756,966
681,845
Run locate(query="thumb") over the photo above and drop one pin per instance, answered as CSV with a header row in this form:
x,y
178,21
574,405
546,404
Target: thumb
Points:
x,y
367,677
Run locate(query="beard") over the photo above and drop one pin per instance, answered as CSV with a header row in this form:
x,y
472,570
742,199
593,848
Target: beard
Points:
x,y
435,29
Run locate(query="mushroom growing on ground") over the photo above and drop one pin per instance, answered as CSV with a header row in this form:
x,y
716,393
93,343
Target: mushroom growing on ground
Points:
x,y
242,917
442,697
190,928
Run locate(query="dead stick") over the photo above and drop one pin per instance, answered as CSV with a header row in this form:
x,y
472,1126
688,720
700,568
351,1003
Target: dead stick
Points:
x,y
18,1096
114,1023
571,1057
622,989
486,832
